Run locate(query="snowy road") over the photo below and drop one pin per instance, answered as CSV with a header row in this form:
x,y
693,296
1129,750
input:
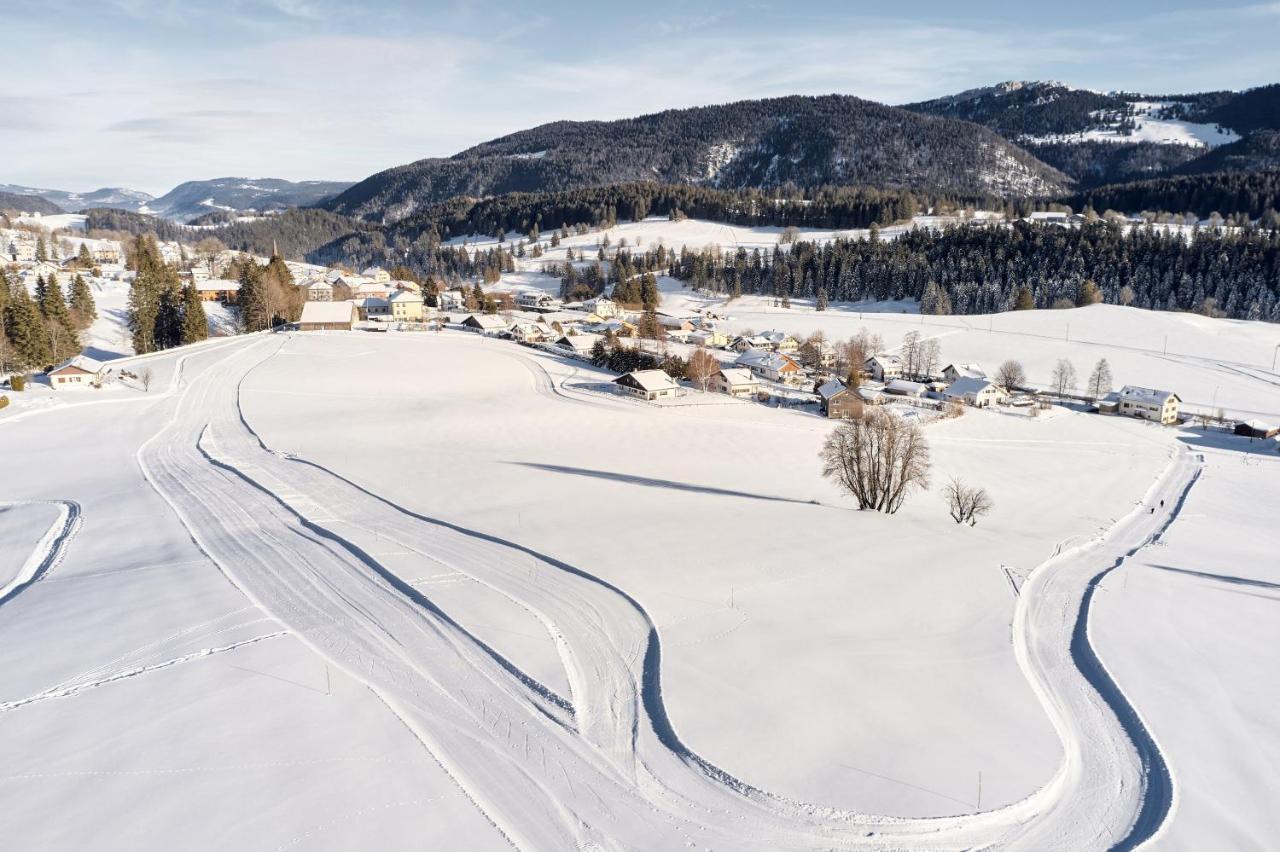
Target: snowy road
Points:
x,y
604,766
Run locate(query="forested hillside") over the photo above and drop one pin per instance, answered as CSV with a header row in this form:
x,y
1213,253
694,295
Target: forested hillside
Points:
x,y
805,141
973,269
1253,194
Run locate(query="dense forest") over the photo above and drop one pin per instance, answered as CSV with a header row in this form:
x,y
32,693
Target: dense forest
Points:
x,y
807,141
1256,152
1092,164
1254,194
973,269
1040,108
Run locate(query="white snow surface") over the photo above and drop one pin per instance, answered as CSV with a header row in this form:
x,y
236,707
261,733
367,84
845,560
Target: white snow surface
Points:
x,y
1150,127
275,584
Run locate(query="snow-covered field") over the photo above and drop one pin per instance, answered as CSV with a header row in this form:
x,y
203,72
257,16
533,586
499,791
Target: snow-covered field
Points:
x,y
404,591
1150,127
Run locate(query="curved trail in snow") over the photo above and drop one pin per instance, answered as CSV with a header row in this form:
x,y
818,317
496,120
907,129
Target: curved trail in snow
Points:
x,y
48,551
606,766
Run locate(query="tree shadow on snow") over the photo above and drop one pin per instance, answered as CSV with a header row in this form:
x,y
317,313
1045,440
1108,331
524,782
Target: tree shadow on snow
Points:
x,y
661,483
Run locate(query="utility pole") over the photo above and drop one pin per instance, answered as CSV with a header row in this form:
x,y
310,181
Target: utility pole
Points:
x,y
979,789
1274,353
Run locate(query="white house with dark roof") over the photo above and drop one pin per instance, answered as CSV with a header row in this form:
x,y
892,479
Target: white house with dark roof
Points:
x,y
648,384
951,372
884,368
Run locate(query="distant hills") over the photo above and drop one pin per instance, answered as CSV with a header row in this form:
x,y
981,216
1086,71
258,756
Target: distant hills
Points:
x,y
183,203
1097,138
805,141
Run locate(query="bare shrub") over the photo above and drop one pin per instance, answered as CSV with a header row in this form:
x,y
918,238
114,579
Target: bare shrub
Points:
x,y
965,503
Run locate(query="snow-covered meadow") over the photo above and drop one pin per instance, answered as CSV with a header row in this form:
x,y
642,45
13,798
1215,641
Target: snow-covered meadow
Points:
x,y
860,663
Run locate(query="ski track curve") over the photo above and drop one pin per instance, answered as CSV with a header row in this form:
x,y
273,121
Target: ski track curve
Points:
x,y
606,766
49,550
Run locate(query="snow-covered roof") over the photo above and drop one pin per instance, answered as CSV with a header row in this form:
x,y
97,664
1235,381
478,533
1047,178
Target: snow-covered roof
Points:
x,y
765,360
405,296
905,388
372,302
970,370
886,359
487,321
326,312
651,380
1258,425
1150,396
831,388
738,376
579,342
218,284
316,284
78,362
966,385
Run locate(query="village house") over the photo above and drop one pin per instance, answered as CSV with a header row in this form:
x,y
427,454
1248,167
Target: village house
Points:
x,y
884,368
489,324
223,290
773,366
1148,404
602,306
450,300
734,381
838,401
711,338
327,316
978,392
745,344
537,301
406,306
377,274
79,371
780,341
648,384
676,324
317,290
530,332
373,308
580,344
951,372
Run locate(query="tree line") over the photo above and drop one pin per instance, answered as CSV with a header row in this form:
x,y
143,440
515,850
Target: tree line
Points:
x,y
967,269
42,329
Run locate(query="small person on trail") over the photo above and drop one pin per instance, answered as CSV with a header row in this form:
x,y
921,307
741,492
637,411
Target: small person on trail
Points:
x,y
1161,504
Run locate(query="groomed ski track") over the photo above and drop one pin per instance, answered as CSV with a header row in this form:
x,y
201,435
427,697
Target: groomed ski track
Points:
x,y
604,766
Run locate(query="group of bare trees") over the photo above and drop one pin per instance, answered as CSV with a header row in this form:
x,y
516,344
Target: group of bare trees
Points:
x,y
881,458
920,356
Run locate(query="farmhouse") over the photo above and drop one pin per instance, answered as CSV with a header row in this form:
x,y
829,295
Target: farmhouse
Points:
x,y
580,344
773,366
884,368
902,387
648,384
602,307
79,370
977,392
317,290
951,372
218,290
373,308
537,301
485,323
1256,429
327,316
837,401
1149,404
746,344
406,305
734,381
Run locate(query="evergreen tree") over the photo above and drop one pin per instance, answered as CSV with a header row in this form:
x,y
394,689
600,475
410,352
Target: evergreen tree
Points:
x,y
83,258
255,309
83,309
822,301
42,253
24,327
195,325
63,336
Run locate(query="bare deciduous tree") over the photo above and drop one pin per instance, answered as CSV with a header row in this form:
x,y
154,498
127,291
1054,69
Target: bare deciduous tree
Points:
x,y
1010,375
878,459
859,348
930,356
702,366
910,354
966,503
145,377
1064,376
1100,379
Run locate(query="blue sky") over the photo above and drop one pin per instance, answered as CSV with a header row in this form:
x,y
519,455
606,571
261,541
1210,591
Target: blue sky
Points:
x,y
147,93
